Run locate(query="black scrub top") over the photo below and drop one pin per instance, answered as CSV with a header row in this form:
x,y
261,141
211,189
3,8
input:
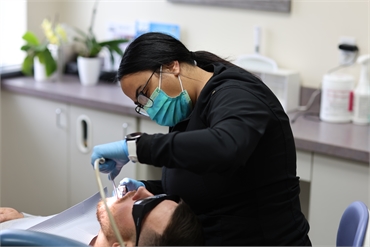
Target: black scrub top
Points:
x,y
233,161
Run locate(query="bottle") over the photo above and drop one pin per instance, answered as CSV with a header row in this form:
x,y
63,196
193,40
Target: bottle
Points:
x,y
361,94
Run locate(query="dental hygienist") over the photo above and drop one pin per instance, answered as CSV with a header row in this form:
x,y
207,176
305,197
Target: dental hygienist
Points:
x,y
230,153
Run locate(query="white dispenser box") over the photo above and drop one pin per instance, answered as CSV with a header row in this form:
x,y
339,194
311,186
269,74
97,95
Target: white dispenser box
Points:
x,y
336,98
285,84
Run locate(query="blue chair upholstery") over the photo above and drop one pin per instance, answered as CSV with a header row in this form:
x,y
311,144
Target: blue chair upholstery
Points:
x,y
353,225
16,237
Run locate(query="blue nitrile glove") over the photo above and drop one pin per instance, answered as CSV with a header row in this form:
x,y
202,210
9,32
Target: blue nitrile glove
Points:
x,y
131,184
115,155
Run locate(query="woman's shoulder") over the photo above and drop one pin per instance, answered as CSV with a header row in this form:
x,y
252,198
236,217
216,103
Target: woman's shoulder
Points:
x,y
228,75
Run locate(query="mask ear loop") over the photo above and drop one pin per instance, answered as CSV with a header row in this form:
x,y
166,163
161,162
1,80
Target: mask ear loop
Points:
x,y
160,77
182,89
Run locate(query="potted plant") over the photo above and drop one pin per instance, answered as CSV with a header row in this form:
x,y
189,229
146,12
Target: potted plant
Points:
x,y
88,63
38,57
43,58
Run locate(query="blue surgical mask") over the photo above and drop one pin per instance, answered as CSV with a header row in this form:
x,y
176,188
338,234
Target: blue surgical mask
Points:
x,y
166,110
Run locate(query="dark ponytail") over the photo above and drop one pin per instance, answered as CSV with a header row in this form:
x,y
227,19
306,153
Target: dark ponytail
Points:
x,y
205,58
151,50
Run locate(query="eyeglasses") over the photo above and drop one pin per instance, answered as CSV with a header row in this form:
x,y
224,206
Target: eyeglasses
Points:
x,y
143,100
142,207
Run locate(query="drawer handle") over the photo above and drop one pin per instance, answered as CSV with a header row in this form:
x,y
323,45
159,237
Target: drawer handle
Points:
x,y
58,113
84,134
124,129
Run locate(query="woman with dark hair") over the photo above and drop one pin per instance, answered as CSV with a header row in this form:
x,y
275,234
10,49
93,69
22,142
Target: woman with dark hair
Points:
x,y
230,152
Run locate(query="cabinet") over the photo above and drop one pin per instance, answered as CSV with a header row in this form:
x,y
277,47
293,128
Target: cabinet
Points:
x,y
34,156
304,169
45,168
328,186
101,127
335,184
304,165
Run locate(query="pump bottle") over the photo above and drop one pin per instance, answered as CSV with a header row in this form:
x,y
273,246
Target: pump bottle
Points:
x,y
361,94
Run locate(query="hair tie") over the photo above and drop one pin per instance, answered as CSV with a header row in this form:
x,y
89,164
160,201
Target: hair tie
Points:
x,y
192,56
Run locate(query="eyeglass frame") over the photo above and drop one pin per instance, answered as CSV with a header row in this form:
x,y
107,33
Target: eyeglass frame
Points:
x,y
139,106
142,207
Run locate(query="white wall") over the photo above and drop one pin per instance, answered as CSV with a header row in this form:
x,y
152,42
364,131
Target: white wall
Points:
x,y
305,40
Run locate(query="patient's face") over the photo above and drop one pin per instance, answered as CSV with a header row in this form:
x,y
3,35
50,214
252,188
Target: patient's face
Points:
x,y
121,210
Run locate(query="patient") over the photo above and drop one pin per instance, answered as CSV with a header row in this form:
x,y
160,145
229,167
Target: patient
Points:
x,y
169,223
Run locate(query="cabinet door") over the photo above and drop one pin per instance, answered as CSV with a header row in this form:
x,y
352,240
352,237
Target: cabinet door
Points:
x,y
34,154
304,165
148,172
336,183
99,128
304,170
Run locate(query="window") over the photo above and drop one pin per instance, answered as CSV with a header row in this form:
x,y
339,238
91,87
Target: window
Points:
x,y
13,16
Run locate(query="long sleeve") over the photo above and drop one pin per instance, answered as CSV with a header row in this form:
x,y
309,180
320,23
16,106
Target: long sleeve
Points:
x,y
154,186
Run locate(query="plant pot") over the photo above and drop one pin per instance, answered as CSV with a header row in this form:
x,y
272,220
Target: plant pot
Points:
x,y
40,71
89,69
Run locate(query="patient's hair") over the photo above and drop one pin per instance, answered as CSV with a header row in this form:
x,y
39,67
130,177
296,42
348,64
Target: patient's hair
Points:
x,y
184,229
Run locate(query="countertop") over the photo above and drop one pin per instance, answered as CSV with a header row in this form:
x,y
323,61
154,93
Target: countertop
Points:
x,y
340,140
344,140
103,96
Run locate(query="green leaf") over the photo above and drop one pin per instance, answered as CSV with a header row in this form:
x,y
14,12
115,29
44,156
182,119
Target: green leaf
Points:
x,y
26,47
94,51
50,64
111,55
113,46
114,49
117,50
93,47
41,48
47,59
31,38
27,65
115,42
41,57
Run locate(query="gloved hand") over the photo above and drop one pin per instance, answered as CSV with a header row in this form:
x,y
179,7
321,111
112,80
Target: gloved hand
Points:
x,y
131,184
115,155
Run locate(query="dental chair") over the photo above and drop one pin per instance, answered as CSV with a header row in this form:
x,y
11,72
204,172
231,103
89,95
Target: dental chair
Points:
x,y
16,237
354,226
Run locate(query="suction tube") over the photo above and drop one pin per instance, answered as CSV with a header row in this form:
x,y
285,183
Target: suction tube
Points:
x,y
101,190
